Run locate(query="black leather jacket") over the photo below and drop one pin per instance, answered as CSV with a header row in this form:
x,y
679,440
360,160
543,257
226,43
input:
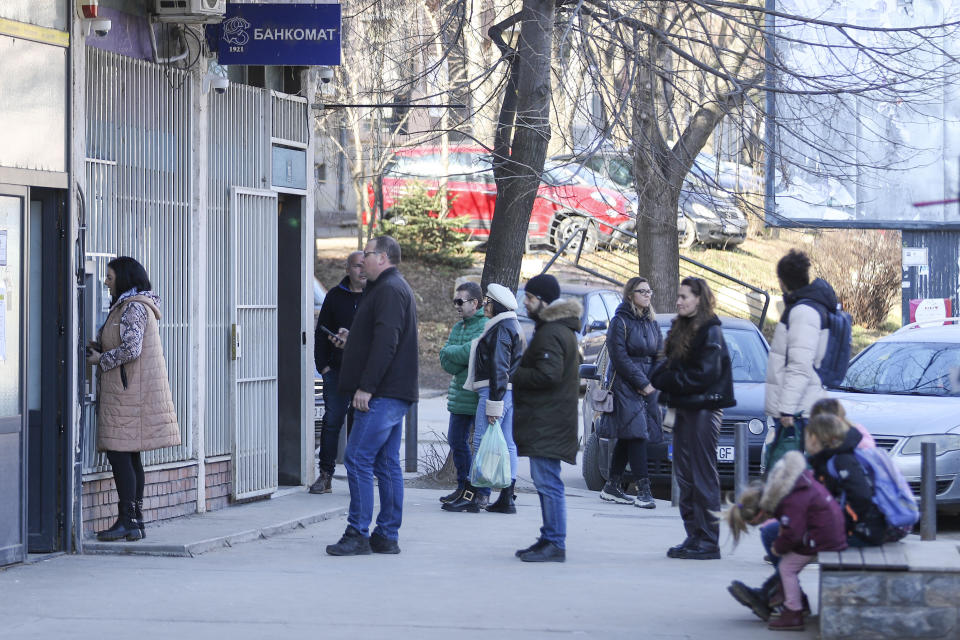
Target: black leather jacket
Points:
x,y
498,356
702,380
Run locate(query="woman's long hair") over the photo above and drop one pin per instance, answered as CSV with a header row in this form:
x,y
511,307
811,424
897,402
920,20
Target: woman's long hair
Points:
x,y
683,329
633,283
128,274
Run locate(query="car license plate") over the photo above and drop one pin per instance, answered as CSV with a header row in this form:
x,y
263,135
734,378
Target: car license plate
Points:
x,y
724,454
317,412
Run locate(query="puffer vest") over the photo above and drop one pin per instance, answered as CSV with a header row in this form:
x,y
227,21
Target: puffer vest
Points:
x,y
135,410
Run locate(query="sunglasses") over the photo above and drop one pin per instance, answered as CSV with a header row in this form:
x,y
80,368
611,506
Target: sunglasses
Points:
x,y
458,302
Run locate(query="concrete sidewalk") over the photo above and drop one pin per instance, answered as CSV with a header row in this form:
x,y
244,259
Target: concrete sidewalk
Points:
x,y
192,535
456,577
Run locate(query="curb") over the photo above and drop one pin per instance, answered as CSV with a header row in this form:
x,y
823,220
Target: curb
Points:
x,y
195,548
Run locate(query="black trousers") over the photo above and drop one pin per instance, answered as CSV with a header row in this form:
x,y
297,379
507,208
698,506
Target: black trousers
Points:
x,y
127,474
634,450
695,434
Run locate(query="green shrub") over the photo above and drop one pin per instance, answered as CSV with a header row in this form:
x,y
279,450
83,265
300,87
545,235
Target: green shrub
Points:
x,y
415,222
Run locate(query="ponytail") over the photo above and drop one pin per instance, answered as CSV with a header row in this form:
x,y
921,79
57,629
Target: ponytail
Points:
x,y
741,513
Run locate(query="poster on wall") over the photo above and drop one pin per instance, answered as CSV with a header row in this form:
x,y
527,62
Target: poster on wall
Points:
x,y
929,309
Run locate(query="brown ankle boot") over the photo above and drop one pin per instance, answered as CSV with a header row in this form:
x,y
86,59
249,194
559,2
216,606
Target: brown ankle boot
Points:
x,y
789,620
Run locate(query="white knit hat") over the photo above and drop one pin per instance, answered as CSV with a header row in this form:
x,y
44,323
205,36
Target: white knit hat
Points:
x,y
502,295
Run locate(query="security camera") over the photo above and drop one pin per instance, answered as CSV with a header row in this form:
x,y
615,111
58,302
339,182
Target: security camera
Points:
x,y
326,74
219,84
99,26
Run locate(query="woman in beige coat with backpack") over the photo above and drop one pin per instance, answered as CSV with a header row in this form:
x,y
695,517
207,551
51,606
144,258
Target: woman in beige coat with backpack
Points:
x,y
135,410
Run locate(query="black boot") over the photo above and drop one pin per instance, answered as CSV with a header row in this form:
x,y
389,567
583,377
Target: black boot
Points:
x,y
469,501
453,497
644,498
138,514
612,492
504,503
125,526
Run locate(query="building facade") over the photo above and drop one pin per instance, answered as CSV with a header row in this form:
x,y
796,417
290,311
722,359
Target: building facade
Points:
x,y
122,147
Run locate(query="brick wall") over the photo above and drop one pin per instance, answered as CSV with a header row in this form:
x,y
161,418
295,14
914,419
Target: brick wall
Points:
x,y
168,493
219,484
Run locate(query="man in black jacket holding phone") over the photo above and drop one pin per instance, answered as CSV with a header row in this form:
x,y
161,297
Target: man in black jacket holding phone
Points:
x,y
380,372
337,312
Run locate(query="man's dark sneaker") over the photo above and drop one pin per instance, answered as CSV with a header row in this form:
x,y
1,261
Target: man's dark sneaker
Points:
x,y
352,543
549,552
676,551
700,553
382,544
536,546
612,492
322,485
452,497
753,599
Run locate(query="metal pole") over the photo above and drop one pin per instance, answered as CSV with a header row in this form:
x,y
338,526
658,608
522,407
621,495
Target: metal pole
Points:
x,y
410,456
741,458
928,491
674,487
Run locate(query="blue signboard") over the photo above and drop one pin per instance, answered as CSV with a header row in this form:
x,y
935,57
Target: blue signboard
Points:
x,y
278,34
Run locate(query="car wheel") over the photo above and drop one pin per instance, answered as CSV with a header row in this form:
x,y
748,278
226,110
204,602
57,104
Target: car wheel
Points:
x,y
570,225
688,235
591,463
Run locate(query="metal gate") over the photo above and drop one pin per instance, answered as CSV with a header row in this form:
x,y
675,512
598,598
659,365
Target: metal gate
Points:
x,y
139,187
253,349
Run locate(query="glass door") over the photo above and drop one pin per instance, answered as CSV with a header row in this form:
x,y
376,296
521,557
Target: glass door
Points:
x,y
12,439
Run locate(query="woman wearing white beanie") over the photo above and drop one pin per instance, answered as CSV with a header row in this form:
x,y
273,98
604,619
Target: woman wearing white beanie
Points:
x,y
494,358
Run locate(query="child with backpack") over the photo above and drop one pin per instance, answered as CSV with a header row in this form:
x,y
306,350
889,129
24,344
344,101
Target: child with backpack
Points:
x,y
877,501
810,522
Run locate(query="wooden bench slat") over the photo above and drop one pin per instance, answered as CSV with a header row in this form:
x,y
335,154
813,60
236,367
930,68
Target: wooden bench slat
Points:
x,y
851,559
873,558
829,559
896,557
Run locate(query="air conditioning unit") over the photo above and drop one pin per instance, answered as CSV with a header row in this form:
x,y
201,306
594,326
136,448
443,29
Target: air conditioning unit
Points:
x,y
190,9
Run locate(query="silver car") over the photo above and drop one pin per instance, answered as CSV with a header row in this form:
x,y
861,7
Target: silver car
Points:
x,y
904,389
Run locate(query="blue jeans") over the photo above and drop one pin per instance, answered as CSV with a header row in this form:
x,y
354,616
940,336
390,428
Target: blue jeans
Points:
x,y
458,436
506,425
335,405
769,533
553,503
374,450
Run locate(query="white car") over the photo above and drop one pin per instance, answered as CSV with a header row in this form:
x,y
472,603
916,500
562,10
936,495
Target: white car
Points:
x,y
904,389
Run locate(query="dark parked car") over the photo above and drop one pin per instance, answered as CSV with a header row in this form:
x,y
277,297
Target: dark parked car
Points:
x,y
748,354
599,305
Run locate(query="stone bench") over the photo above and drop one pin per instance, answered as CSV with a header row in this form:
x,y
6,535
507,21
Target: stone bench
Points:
x,y
902,590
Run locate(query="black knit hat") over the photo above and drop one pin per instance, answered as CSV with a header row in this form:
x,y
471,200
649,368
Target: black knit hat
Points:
x,y
544,286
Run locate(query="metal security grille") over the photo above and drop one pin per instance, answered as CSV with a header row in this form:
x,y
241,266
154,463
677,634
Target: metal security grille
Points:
x,y
254,341
237,157
138,172
290,120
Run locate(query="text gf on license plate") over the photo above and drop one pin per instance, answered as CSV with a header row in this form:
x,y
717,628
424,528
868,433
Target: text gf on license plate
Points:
x,y
724,454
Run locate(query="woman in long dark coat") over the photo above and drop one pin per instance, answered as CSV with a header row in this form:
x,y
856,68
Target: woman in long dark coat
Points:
x,y
634,342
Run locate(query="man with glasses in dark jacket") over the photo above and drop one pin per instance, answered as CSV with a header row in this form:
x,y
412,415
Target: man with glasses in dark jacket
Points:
x,y
337,311
380,373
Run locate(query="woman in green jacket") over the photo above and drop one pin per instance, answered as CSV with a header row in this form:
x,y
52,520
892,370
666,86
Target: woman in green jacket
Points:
x,y
454,358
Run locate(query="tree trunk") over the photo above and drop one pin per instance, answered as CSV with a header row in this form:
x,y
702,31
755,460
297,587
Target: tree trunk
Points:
x,y
658,254
517,169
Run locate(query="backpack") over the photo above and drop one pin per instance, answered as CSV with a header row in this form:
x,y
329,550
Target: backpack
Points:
x,y
891,493
836,357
